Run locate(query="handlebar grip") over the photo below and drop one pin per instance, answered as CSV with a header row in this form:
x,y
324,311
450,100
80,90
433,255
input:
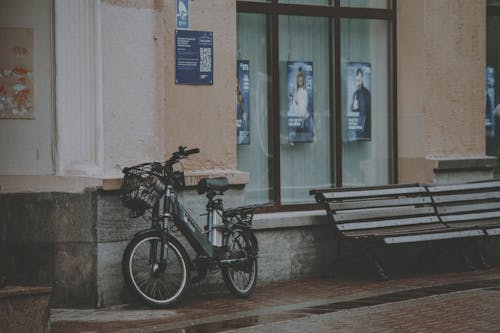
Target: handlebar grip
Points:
x,y
192,151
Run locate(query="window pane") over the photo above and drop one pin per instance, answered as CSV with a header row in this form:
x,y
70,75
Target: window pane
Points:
x,y
365,102
309,2
492,86
493,2
254,155
384,4
305,110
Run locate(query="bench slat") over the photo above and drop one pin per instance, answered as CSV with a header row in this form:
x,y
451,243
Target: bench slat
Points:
x,y
387,223
461,187
383,212
468,208
433,236
396,231
348,189
475,224
379,203
466,197
493,232
373,193
470,217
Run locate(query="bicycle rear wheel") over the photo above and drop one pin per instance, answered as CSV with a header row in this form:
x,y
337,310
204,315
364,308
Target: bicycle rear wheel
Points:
x,y
156,284
240,276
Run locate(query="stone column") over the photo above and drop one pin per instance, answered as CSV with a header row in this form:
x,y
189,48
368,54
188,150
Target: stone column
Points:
x,y
441,91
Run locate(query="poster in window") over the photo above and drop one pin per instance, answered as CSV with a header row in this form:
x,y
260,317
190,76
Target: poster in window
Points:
x,y
490,101
243,102
182,14
359,79
194,62
300,101
16,73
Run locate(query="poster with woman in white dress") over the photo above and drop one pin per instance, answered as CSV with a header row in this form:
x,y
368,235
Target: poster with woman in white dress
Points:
x,y
300,101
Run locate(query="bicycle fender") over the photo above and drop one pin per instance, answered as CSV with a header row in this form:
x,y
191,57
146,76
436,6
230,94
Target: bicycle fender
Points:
x,y
254,240
145,231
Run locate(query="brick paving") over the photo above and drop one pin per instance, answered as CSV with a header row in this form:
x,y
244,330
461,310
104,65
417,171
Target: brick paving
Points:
x,y
288,307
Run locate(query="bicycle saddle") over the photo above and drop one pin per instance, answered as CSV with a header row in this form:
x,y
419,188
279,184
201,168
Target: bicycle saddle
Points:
x,y
219,184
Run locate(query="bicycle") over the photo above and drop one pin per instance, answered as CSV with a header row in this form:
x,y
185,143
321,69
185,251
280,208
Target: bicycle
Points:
x,y
156,266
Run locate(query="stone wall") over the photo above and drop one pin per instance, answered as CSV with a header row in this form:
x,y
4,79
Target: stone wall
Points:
x,y
290,248
49,239
75,243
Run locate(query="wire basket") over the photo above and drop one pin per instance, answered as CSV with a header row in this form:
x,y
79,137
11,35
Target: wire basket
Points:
x,y
142,188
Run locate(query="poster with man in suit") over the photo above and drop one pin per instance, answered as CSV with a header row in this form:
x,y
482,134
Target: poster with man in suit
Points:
x,y
359,106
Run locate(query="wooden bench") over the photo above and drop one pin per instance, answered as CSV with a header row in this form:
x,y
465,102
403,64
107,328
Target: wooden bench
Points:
x,y
365,219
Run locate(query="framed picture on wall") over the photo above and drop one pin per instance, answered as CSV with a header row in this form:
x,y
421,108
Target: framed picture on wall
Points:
x,y
359,101
16,73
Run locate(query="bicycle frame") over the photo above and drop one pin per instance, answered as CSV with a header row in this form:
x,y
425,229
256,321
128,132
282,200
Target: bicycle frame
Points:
x,y
186,224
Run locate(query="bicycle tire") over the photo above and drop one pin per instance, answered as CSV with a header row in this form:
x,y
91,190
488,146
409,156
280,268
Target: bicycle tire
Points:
x,y
241,278
152,285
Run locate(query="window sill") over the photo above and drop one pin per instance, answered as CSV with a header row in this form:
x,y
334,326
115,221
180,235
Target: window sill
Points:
x,y
192,178
282,220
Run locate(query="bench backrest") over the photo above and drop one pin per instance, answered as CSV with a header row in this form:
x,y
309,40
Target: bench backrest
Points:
x,y
468,205
375,211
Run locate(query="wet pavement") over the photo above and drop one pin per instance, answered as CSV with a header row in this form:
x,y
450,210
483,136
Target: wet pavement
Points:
x,y
453,301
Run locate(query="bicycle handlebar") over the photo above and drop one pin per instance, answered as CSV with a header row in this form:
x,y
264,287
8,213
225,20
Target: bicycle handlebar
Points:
x,y
181,153
192,151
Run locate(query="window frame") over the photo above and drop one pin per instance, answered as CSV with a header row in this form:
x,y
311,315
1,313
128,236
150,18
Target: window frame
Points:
x,y
273,9
492,10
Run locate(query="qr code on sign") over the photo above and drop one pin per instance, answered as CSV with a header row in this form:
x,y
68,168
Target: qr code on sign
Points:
x,y
205,60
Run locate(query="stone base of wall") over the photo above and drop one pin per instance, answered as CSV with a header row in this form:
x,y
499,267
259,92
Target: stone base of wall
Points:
x,y
291,246
24,309
49,239
75,243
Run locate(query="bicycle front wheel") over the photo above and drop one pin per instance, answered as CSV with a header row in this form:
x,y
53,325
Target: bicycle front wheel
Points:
x,y
158,283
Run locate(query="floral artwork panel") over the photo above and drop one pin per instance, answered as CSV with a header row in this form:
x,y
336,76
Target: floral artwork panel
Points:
x,y
16,73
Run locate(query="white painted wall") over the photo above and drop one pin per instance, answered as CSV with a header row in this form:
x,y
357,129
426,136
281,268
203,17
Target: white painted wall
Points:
x,y
109,87
133,86
26,145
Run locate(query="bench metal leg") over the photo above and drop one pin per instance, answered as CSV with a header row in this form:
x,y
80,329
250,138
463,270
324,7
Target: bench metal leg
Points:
x,y
370,253
464,250
382,276
480,255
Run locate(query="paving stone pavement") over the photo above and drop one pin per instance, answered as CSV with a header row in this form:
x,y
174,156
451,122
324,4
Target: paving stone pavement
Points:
x,y
439,302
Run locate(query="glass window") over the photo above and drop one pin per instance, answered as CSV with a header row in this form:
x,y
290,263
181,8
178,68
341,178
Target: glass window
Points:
x,y
254,155
493,2
384,4
306,131
304,103
365,102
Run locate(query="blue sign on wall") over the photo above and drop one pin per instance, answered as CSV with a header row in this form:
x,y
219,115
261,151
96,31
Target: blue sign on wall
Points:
x,y
194,57
490,101
243,102
182,14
